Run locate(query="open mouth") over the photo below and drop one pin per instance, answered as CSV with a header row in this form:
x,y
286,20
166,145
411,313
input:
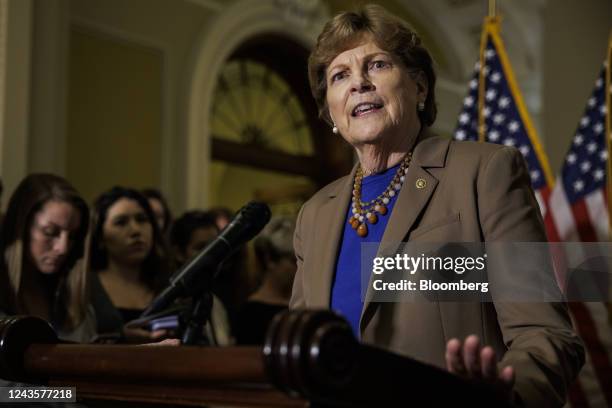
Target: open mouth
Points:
x,y
365,107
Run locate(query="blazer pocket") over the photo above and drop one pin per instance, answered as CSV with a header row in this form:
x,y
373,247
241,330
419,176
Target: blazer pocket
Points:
x,y
433,225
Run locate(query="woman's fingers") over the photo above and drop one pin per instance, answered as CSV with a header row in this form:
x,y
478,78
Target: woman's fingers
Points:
x,y
167,342
488,364
471,360
141,335
507,376
454,360
158,333
471,356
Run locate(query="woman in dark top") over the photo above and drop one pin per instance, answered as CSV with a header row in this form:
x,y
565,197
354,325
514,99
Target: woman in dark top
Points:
x,y
42,270
41,245
275,256
128,259
190,234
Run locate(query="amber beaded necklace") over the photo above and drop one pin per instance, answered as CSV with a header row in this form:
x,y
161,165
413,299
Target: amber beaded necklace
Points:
x,y
365,212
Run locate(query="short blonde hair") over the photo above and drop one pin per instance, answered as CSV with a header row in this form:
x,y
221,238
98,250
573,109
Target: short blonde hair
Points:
x,y
346,30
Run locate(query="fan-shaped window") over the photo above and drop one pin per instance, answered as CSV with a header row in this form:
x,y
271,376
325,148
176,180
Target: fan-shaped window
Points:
x,y
255,106
267,140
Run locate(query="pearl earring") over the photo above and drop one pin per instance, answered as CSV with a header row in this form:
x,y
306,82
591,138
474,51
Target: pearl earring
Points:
x,y
335,129
421,106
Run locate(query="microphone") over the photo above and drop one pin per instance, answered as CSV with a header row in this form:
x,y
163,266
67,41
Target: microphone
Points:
x,y
194,277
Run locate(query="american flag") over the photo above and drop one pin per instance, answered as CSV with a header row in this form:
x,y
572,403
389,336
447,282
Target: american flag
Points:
x,y
575,210
579,212
505,119
578,201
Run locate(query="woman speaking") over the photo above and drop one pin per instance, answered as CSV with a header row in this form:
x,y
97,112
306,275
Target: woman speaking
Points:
x,y
373,82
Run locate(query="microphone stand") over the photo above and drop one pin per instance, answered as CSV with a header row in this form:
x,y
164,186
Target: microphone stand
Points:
x,y
198,314
197,317
247,223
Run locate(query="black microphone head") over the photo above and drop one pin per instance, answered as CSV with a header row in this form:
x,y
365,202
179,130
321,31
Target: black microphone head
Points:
x,y
249,221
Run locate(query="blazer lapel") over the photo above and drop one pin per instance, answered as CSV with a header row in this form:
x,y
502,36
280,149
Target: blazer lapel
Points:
x,y
417,190
331,217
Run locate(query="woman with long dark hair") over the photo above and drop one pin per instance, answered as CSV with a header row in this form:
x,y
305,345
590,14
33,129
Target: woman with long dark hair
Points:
x,y
129,260
42,243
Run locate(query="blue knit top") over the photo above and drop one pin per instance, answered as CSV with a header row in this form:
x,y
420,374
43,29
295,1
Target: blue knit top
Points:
x,y
346,287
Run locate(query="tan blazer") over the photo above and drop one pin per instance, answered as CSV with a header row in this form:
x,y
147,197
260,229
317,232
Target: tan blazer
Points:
x,y
474,192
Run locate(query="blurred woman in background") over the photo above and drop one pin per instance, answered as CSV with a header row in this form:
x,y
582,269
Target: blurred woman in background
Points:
x,y
42,243
129,259
222,216
189,235
191,232
276,259
160,208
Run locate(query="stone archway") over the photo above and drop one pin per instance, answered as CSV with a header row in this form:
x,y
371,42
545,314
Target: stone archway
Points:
x,y
235,25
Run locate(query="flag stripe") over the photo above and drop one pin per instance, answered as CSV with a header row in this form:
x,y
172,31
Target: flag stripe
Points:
x,y
598,211
602,360
562,215
578,391
588,384
541,203
587,328
549,222
583,222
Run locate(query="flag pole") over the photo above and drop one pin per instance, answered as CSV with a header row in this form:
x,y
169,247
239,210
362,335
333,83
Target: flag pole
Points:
x,y
608,90
492,32
481,60
608,135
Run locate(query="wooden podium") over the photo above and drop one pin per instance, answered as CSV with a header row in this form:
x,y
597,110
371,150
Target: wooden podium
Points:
x,y
310,359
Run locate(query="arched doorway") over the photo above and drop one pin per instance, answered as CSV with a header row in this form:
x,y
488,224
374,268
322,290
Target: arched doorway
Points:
x,y
267,141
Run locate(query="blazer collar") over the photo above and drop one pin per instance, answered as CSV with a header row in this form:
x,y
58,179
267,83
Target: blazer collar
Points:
x,y
417,190
331,216
430,152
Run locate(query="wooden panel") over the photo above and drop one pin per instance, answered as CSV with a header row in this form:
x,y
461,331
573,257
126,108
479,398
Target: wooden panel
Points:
x,y
180,375
114,113
182,395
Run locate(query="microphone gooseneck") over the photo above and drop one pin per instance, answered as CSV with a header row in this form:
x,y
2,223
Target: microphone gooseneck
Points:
x,y
199,272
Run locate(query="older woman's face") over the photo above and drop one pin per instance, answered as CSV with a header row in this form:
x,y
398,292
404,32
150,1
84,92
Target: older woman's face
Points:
x,y
371,95
52,235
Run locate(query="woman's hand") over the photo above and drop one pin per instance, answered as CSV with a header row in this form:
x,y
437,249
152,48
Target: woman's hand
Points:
x,y
136,335
472,361
167,342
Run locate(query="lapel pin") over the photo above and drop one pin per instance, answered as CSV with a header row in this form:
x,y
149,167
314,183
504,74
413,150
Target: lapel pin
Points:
x,y
421,183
